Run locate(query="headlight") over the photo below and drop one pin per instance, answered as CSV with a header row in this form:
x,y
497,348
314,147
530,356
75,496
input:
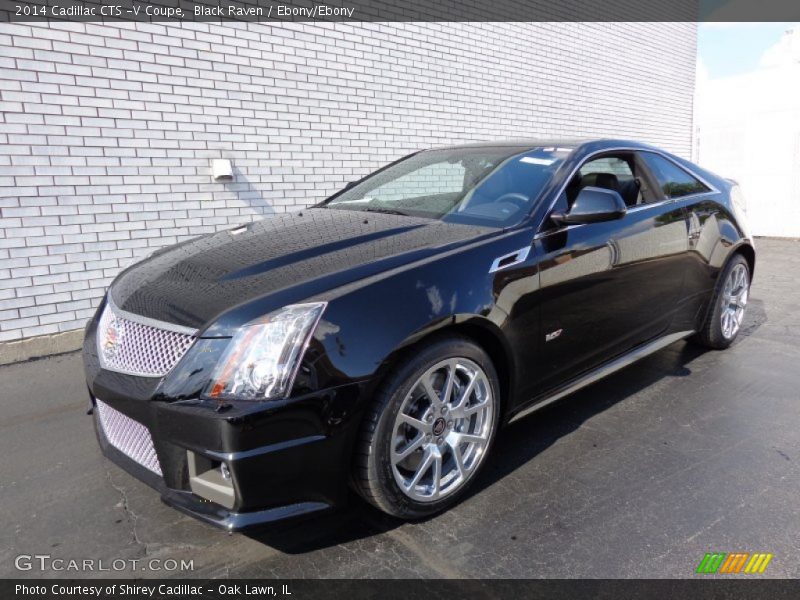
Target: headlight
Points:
x,y
262,359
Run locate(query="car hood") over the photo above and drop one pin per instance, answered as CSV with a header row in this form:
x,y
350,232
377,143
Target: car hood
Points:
x,y
278,260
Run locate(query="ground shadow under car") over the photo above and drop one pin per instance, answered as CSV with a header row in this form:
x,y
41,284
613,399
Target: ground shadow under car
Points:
x,y
516,445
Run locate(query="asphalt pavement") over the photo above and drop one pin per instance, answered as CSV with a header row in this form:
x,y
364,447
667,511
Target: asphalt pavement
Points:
x,y
639,475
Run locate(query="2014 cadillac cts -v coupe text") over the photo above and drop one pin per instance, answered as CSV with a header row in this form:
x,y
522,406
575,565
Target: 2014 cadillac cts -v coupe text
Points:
x,y
379,339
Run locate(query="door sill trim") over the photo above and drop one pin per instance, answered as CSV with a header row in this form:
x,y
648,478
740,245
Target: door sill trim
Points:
x,y
605,370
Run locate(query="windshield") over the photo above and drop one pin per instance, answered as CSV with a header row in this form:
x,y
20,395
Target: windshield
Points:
x,y
494,186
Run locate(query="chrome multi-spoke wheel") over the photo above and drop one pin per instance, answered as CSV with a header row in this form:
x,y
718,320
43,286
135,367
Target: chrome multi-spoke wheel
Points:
x,y
429,429
734,300
442,429
723,321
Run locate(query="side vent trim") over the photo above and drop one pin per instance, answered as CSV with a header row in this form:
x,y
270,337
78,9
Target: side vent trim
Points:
x,y
510,259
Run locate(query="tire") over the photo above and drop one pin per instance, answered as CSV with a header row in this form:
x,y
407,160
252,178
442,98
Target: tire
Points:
x,y
724,319
392,451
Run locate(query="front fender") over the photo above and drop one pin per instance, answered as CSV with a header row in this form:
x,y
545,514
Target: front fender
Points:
x,y
366,326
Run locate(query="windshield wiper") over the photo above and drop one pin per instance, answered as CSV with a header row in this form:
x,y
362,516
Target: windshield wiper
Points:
x,y
386,211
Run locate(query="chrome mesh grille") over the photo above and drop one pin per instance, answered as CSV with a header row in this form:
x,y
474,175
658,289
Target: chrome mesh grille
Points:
x,y
136,348
128,436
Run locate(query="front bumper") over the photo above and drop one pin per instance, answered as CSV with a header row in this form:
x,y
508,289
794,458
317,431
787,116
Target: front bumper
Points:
x,y
204,510
286,458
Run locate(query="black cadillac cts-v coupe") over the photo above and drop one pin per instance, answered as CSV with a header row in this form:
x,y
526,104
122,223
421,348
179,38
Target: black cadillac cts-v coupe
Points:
x,y
378,340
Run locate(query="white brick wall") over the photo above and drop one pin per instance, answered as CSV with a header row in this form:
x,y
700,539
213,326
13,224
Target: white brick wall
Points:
x,y
107,131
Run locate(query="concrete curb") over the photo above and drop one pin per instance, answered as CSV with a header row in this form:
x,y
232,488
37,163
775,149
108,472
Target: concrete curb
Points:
x,y
42,345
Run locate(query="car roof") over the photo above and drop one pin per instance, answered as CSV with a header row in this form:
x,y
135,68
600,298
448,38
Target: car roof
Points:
x,y
571,143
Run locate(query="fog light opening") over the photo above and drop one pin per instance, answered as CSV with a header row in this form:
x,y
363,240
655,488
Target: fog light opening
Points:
x,y
211,479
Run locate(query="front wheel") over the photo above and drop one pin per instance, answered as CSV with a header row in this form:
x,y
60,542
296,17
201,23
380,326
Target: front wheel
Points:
x,y
726,313
429,430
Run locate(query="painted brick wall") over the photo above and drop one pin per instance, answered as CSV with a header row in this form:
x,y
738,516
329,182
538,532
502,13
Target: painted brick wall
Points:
x,y
107,131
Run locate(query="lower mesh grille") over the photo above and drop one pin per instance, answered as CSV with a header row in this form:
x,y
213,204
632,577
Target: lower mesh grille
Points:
x,y
128,436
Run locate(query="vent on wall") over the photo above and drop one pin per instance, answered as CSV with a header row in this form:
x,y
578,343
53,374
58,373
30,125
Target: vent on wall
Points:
x,y
221,169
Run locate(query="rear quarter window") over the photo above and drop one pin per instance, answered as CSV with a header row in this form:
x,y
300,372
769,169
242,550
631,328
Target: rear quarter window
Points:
x,y
674,181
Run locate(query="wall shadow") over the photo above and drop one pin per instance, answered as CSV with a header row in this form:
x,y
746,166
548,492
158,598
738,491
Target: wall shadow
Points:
x,y
249,193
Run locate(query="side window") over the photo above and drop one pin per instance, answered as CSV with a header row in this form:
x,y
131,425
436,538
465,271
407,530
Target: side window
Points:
x,y
608,164
674,181
613,172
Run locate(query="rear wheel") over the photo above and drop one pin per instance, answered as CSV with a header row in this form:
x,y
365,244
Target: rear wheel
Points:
x,y
725,316
429,430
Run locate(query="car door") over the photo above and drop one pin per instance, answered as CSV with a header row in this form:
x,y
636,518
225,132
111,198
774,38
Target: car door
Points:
x,y
608,287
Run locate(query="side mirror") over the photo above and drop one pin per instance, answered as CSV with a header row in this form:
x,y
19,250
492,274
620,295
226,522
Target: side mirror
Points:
x,y
349,185
593,205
